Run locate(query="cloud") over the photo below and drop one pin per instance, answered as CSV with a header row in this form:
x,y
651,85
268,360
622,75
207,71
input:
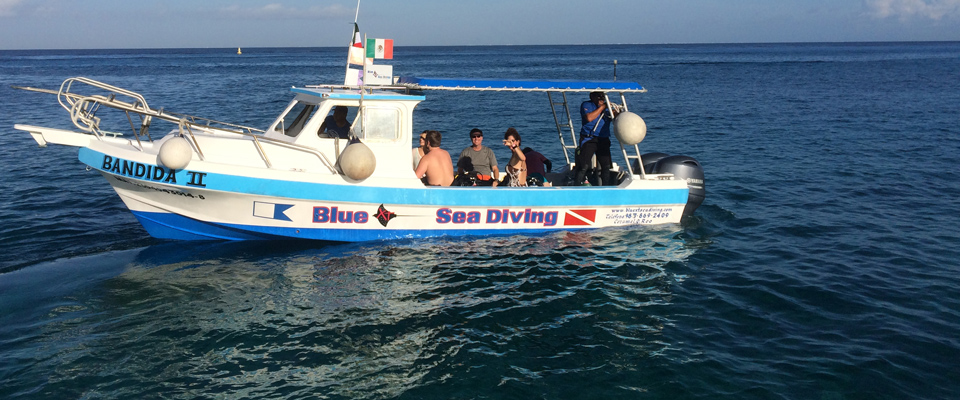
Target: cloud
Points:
x,y
279,11
8,8
904,9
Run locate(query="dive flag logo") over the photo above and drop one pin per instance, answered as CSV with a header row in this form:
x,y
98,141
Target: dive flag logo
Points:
x,y
271,210
580,217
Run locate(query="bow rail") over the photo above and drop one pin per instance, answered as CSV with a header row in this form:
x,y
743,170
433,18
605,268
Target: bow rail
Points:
x,y
83,108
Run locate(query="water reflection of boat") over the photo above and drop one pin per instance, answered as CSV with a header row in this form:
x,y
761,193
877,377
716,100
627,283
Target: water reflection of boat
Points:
x,y
212,180
377,318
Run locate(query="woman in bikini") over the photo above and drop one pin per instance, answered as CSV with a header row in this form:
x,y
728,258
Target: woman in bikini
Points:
x,y
517,166
419,152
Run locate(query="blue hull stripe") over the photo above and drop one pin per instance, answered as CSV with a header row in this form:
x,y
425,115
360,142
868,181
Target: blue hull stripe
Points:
x,y
452,197
177,227
173,226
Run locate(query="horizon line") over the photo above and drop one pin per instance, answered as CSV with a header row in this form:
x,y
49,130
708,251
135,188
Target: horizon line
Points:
x,y
501,45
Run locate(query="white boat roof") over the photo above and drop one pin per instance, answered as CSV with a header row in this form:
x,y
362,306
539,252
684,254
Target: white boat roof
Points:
x,y
405,84
520,85
370,93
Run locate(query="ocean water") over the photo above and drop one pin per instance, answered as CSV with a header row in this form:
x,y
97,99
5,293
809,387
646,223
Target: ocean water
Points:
x,y
822,265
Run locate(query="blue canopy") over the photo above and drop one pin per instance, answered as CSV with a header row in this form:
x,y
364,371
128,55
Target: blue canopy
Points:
x,y
531,85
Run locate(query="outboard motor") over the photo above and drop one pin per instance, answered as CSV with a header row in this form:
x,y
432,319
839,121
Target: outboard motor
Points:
x,y
687,168
649,160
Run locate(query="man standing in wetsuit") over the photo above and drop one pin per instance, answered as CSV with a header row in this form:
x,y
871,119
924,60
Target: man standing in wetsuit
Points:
x,y
594,139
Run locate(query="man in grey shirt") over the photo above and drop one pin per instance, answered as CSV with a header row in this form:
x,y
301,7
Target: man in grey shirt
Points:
x,y
479,158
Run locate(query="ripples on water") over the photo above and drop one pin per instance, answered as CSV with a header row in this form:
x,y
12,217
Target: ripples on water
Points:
x,y
516,316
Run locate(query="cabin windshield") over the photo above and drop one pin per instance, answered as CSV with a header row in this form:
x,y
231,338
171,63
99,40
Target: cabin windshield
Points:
x,y
376,123
296,117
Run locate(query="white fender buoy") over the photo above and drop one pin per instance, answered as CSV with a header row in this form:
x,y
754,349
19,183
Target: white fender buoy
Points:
x,y
357,161
629,128
176,153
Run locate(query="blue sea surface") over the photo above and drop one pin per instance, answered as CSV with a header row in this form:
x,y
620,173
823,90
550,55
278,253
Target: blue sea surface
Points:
x,y
822,265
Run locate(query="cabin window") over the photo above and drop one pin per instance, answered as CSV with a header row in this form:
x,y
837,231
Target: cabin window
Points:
x,y
382,124
293,121
331,128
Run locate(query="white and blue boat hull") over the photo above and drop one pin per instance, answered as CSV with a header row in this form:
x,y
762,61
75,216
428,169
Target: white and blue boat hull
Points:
x,y
196,204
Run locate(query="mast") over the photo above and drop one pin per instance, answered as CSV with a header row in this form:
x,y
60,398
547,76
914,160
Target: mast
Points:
x,y
351,75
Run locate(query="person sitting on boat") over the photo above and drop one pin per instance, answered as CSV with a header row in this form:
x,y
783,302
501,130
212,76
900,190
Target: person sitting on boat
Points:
x,y
436,167
537,166
517,166
594,139
336,125
479,159
418,151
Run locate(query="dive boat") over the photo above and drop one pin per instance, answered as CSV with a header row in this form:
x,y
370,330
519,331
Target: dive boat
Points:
x,y
210,180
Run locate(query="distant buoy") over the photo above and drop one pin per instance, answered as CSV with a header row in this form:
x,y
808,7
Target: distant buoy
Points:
x,y
629,128
176,153
238,51
357,160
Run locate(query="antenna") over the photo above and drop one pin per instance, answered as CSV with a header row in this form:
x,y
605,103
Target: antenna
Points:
x,y
614,65
357,16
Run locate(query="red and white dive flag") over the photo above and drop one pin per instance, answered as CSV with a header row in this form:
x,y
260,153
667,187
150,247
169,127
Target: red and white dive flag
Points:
x,y
380,48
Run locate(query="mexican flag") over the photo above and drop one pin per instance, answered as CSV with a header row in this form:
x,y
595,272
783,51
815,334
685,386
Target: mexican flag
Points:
x,y
355,54
380,48
355,59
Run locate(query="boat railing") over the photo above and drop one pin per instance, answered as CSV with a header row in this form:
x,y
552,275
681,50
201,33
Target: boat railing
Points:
x,y
186,129
83,110
367,89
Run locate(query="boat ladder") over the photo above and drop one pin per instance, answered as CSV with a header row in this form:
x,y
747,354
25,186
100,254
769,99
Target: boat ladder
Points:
x,y
567,124
628,158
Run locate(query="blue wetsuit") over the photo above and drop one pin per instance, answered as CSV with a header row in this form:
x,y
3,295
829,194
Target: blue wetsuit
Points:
x,y
594,138
587,127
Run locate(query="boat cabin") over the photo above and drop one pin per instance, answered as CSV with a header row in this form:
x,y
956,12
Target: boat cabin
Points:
x,y
385,125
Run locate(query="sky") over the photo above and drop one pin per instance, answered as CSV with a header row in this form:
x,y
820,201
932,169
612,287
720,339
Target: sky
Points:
x,y
107,24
